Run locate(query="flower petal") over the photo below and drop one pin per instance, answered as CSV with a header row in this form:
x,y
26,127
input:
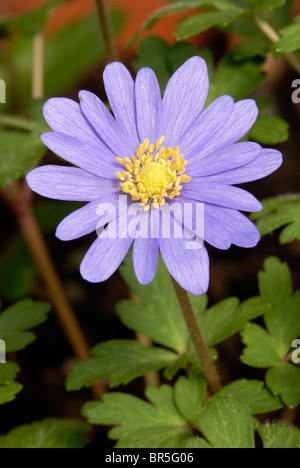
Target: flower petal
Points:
x,y
65,116
105,256
190,268
184,99
239,229
148,105
239,123
145,256
81,154
228,158
105,125
69,183
119,87
88,218
267,162
210,122
222,195
200,222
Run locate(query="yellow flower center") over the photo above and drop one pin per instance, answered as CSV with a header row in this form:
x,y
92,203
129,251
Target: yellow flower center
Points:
x,y
153,174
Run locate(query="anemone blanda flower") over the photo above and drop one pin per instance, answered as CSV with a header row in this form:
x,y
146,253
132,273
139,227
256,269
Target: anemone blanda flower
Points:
x,y
154,151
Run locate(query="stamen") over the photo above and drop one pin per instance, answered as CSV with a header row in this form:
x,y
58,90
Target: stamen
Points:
x,y
154,174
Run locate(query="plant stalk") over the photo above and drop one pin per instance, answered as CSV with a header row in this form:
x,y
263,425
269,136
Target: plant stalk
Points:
x,y
207,364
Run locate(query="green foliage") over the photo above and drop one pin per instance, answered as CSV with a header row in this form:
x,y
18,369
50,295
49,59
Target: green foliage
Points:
x,y
139,423
279,212
226,423
270,348
252,393
17,319
50,433
19,153
290,40
121,361
199,23
269,130
8,387
14,324
190,394
279,435
184,5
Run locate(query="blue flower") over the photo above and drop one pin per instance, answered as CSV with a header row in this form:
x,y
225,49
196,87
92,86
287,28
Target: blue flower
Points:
x,y
155,152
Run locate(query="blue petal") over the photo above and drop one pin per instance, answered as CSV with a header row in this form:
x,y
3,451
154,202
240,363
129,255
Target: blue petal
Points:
x,y
210,122
267,162
221,195
119,87
82,154
108,129
184,99
65,116
227,158
190,268
148,105
239,123
105,256
87,219
145,256
239,229
69,183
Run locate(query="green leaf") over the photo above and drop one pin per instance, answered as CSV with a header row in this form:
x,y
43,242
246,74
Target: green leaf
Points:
x,y
17,319
252,393
190,394
267,348
261,350
269,130
153,52
284,380
290,40
196,442
8,387
252,42
237,79
50,433
160,318
119,360
178,7
266,5
139,423
283,315
278,435
19,153
279,212
228,317
227,423
199,23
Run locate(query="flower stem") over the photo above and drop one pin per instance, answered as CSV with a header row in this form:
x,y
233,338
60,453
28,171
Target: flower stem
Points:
x,y
19,200
106,30
208,366
274,37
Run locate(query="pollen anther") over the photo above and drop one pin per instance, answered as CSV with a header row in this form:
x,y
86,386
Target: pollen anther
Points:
x,y
153,174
